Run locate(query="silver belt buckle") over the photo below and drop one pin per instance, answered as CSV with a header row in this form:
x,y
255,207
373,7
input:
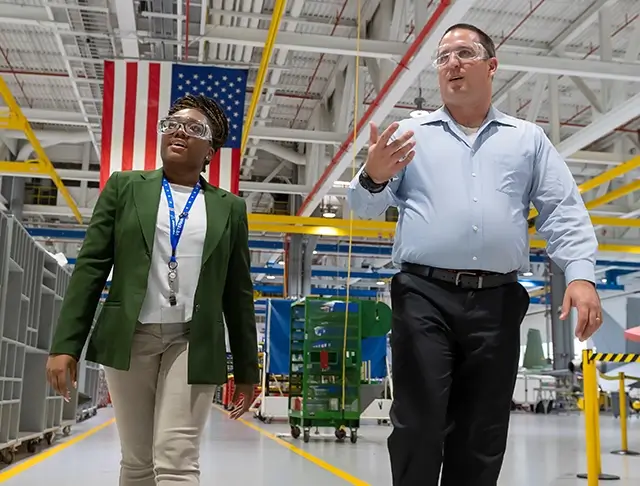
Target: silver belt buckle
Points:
x,y
471,274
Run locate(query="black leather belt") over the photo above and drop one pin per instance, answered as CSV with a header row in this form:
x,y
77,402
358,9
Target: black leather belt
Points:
x,y
466,279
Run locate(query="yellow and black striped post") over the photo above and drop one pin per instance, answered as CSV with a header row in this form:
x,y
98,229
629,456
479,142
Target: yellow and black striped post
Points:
x,y
592,411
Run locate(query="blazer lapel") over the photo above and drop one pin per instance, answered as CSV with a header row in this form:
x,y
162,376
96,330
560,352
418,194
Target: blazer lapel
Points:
x,y
218,206
147,197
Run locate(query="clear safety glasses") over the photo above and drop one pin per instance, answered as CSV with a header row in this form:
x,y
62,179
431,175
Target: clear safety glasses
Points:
x,y
464,53
192,128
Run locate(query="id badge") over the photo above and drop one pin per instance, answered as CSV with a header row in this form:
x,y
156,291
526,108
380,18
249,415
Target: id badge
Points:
x,y
172,314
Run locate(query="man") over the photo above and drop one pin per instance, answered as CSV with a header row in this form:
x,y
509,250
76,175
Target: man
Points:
x,y
463,178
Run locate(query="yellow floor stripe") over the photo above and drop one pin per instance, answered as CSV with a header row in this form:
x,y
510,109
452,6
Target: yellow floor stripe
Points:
x,y
28,463
45,454
309,457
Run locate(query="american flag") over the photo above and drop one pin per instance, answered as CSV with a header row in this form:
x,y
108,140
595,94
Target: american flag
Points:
x,y
138,93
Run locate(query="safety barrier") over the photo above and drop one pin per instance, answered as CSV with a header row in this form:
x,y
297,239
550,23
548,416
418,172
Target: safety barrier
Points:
x,y
592,412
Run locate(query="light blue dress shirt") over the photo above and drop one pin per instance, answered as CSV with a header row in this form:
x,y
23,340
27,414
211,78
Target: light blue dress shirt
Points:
x,y
463,203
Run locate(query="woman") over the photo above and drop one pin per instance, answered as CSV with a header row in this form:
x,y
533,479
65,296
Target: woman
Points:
x,y
180,255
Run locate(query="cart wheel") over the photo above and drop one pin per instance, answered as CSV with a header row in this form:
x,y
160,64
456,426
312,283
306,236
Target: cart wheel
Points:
x,y
268,420
306,435
66,431
49,437
354,436
341,434
8,456
295,431
31,446
94,412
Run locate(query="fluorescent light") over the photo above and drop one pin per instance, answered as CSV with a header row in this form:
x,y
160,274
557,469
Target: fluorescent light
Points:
x,y
381,282
270,277
328,214
527,274
418,113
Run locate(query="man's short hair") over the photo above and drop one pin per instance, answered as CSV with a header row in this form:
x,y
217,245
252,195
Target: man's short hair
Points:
x,y
485,40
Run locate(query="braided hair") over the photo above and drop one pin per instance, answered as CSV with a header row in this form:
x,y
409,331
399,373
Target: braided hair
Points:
x,y
216,117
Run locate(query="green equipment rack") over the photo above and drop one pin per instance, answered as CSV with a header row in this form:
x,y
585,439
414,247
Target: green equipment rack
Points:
x,y
318,362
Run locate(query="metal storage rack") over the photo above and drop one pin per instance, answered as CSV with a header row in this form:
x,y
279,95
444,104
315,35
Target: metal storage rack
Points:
x,y
319,364
32,286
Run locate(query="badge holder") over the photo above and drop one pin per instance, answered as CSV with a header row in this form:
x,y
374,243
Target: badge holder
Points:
x,y
173,313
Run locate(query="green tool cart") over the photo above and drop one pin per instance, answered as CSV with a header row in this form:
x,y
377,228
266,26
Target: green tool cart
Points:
x,y
318,363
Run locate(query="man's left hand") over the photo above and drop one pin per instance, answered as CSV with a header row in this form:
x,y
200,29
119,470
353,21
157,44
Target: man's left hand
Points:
x,y
583,295
242,400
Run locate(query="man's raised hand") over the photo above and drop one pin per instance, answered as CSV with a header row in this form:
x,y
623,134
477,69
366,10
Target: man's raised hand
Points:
x,y
386,159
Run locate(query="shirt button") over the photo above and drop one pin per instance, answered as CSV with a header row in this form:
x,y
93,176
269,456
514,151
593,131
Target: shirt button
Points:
x,y
473,174
475,258
475,199
475,228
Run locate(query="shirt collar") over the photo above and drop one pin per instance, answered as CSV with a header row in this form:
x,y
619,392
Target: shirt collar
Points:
x,y
441,115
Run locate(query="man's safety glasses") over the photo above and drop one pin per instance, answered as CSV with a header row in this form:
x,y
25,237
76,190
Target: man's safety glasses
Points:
x,y
192,128
464,53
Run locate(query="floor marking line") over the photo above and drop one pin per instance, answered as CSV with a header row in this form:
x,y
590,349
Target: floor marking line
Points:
x,y
45,454
306,455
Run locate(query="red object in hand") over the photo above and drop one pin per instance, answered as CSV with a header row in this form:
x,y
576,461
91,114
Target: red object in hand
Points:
x,y
324,360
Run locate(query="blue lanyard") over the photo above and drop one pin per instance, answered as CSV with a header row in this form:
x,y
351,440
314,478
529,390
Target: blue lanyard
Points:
x,y
175,229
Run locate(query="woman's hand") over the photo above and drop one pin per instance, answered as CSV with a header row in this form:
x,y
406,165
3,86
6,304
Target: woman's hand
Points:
x,y
57,367
242,400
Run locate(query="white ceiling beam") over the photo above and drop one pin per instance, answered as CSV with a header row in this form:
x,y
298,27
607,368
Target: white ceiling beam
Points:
x,y
258,133
282,152
596,69
126,15
384,103
605,124
307,42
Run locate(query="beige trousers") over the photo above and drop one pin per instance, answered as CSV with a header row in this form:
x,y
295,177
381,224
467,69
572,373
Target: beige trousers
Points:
x,y
160,418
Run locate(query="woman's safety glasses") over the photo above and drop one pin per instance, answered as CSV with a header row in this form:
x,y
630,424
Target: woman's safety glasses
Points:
x,y
464,53
192,128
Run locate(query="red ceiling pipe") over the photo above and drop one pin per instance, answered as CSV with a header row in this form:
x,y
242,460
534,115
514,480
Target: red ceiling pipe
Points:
x,y
402,65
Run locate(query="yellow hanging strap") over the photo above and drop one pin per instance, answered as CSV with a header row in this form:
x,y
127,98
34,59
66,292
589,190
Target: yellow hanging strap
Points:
x,y
353,174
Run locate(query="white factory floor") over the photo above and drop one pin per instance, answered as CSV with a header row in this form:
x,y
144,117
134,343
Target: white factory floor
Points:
x,y
543,451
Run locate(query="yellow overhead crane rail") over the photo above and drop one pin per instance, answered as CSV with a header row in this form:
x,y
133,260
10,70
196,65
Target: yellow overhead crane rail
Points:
x,y
12,118
603,178
385,230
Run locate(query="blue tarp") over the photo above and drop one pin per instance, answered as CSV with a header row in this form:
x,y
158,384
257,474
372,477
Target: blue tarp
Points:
x,y
278,340
374,349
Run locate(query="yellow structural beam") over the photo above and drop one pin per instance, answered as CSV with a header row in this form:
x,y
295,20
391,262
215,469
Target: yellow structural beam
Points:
x,y
267,50
603,178
613,195
385,230
12,118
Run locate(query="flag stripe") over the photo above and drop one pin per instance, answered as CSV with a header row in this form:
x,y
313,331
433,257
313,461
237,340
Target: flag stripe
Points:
x,y
107,122
214,169
234,183
141,95
119,76
137,93
164,104
129,125
151,155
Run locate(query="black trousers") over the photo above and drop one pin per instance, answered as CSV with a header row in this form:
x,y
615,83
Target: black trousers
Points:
x,y
455,356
